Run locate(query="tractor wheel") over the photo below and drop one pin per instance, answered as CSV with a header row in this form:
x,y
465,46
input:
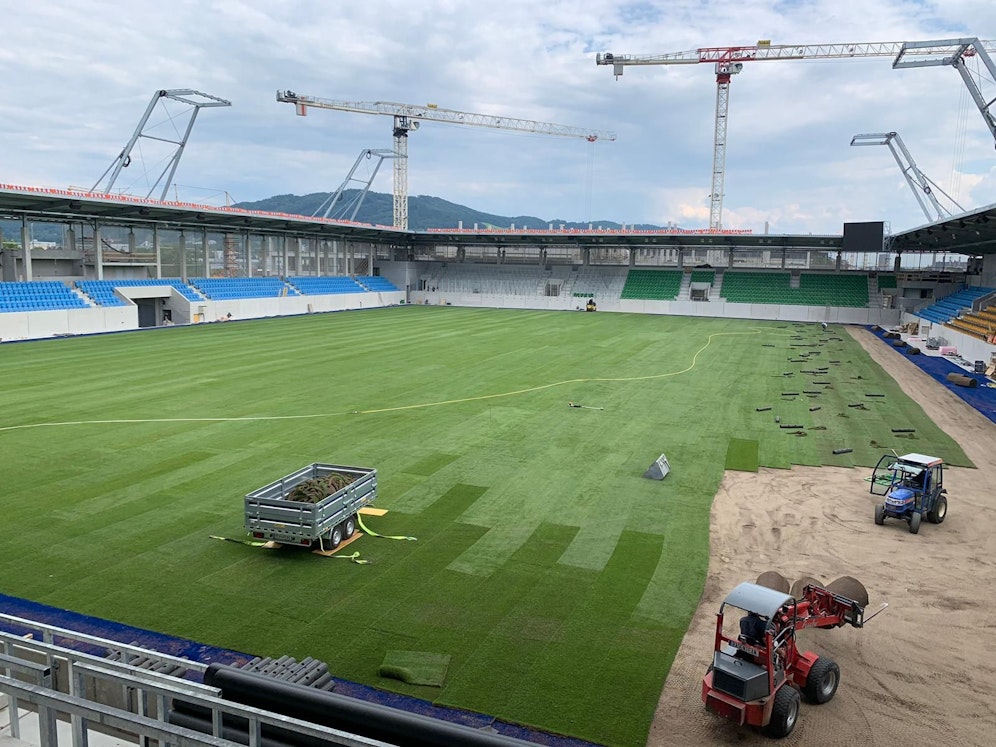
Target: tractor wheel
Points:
x,y
940,510
349,527
822,681
880,514
335,538
784,713
914,522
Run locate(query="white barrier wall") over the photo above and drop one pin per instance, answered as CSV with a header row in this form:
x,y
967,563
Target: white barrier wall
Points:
x,y
970,348
33,325
257,308
712,308
41,324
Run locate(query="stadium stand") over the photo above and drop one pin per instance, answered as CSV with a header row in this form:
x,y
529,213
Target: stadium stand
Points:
x,y
755,287
598,282
324,286
952,306
655,285
703,276
980,324
887,282
509,280
815,289
375,283
102,291
229,289
48,295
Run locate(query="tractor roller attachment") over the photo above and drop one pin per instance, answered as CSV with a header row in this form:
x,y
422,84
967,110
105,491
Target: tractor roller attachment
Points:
x,y
851,588
774,580
800,584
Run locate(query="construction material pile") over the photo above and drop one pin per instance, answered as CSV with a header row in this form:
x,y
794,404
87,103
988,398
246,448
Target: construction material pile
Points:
x,y
319,488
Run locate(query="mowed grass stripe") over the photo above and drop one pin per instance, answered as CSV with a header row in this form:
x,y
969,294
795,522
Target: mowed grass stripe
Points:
x,y
522,534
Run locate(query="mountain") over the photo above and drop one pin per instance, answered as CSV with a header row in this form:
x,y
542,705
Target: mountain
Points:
x,y
424,212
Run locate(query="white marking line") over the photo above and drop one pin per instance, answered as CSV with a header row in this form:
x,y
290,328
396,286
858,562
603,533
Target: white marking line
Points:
x,y
250,419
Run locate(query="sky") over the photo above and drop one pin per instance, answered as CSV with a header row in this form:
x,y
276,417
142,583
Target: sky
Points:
x,y
76,77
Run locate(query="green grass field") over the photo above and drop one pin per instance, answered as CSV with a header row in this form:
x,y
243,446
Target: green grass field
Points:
x,y
557,580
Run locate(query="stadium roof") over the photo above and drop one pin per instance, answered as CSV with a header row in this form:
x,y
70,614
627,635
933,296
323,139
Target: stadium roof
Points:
x,y
968,233
59,205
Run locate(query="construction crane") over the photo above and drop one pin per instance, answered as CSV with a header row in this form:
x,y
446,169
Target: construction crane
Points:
x,y
407,118
922,185
729,61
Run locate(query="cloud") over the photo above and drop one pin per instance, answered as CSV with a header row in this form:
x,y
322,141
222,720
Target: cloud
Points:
x,y
78,75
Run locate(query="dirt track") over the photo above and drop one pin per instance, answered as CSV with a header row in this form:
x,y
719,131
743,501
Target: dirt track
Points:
x,y
919,674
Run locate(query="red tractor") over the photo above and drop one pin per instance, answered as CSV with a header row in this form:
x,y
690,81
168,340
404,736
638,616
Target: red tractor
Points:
x,y
757,671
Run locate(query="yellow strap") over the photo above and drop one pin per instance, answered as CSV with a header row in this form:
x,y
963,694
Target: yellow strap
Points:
x,y
359,521
355,557
251,543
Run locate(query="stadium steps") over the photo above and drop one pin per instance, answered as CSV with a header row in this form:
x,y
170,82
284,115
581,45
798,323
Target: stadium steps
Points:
x,y
952,306
685,290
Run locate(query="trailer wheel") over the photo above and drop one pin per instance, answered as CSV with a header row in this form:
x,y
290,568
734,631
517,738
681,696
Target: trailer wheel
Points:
x,y
914,522
880,514
940,510
784,713
349,527
335,537
822,681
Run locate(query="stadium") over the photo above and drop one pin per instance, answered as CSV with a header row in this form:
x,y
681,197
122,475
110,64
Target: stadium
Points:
x,y
523,578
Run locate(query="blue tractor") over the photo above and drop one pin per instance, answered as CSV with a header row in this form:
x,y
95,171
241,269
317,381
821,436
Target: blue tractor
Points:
x,y
913,487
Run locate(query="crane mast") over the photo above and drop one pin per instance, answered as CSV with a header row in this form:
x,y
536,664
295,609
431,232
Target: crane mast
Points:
x,y
729,61
407,118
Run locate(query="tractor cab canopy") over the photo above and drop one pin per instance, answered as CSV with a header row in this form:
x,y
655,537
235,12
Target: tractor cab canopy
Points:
x,y
914,471
920,460
760,599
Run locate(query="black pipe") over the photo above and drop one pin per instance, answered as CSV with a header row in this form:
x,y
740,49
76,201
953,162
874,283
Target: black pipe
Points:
x,y
347,714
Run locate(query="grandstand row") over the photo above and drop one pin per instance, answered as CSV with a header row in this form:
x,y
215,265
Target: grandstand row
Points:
x,y
945,303
124,263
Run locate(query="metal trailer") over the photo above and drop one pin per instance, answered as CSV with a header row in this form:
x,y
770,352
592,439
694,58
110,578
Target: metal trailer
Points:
x,y
271,515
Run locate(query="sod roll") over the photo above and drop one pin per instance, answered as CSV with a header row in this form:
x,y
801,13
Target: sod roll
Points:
x,y
963,380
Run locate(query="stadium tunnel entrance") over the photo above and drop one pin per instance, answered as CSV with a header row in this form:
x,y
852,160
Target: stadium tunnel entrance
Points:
x,y
149,311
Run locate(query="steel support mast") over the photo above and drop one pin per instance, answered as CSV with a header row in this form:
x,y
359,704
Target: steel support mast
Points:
x,y
955,52
197,101
407,118
923,186
730,60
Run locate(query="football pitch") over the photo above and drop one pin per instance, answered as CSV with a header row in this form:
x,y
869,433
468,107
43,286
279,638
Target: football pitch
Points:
x,y
558,580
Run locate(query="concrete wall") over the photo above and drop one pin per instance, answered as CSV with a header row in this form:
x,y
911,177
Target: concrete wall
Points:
x,y
41,324
33,325
970,348
712,308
